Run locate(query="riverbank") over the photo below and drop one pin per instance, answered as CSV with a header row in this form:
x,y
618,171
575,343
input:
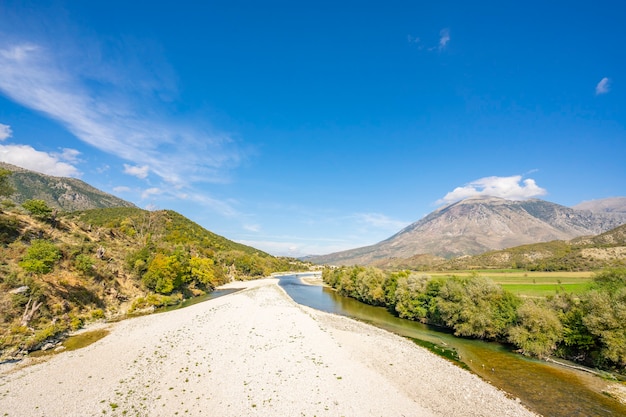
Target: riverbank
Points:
x,y
254,352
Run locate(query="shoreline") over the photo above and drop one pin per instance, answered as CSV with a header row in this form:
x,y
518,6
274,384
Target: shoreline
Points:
x,y
253,352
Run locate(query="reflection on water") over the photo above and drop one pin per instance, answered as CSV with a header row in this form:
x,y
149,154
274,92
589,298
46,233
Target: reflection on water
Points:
x,y
545,388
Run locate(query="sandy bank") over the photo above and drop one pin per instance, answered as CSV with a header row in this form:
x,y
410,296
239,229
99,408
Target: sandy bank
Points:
x,y
250,353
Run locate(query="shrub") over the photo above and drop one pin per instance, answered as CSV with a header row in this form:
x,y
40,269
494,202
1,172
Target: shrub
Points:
x,y
40,257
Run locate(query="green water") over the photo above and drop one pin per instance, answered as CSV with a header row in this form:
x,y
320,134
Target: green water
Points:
x,y
546,388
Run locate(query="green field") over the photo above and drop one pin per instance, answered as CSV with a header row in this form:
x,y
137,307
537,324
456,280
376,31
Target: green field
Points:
x,y
531,284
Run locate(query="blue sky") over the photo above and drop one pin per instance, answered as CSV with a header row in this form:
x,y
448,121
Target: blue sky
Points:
x,y
311,127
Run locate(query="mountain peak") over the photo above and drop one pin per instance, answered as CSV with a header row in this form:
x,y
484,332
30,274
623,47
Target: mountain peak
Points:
x,y
480,224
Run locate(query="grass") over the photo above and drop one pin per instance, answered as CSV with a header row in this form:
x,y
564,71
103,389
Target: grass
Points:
x,y
544,290
531,284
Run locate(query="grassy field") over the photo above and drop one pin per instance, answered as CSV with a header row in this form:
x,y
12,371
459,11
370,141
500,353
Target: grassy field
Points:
x,y
531,284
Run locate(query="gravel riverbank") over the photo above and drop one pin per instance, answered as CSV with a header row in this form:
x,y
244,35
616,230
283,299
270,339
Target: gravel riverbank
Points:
x,y
251,353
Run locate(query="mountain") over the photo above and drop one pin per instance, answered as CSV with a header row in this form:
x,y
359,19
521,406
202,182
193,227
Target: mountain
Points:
x,y
66,194
605,205
480,224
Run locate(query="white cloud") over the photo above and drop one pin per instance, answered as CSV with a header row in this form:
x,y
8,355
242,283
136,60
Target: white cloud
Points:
x,y
121,189
381,221
413,39
106,96
27,157
604,86
444,38
68,155
252,227
294,247
504,187
150,192
5,132
139,172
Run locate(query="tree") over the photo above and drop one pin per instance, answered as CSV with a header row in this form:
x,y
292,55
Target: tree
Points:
x,y
538,329
605,319
5,188
476,307
164,274
411,300
202,271
40,257
38,208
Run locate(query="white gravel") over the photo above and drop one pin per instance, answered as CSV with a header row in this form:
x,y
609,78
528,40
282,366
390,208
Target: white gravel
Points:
x,y
251,353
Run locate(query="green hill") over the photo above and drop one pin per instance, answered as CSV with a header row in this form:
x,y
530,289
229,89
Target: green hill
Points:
x,y
58,273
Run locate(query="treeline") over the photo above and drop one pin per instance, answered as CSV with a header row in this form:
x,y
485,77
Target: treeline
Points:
x,y
589,328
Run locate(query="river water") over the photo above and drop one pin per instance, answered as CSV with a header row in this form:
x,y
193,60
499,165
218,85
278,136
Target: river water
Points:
x,y
546,388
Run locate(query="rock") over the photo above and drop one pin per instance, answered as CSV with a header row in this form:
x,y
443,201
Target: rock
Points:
x,y
59,348
20,290
47,346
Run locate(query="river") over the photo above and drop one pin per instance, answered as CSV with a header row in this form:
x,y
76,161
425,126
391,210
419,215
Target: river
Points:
x,y
546,388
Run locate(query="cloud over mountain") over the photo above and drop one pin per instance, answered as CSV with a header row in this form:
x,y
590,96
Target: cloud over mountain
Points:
x,y
504,187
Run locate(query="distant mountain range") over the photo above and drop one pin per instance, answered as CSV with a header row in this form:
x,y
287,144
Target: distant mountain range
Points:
x,y
66,194
477,225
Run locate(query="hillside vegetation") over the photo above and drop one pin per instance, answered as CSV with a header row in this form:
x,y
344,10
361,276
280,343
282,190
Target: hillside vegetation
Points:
x,y
59,271
581,254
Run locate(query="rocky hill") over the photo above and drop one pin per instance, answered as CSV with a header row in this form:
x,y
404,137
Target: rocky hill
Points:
x,y
66,194
478,225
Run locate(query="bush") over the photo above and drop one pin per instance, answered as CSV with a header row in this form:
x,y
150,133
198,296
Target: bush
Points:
x,y
40,257
84,263
38,209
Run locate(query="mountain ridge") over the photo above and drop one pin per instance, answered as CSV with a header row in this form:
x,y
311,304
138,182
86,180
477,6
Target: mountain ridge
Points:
x,y
480,224
63,193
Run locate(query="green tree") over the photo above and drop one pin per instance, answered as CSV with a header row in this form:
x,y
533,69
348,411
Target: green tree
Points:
x,y
38,208
5,187
202,270
605,318
40,257
538,329
164,274
411,300
369,286
476,307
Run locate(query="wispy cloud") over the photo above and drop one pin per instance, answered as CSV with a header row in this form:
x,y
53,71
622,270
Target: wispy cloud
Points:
x,y
135,171
151,192
252,227
412,39
604,86
107,97
380,221
296,247
5,132
444,38
504,187
121,189
28,157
